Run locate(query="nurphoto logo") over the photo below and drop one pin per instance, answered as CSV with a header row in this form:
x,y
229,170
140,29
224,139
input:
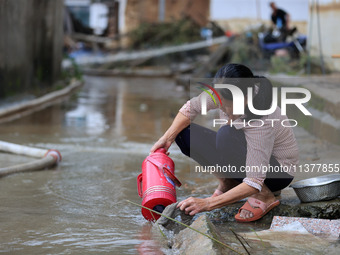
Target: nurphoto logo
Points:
x,y
239,99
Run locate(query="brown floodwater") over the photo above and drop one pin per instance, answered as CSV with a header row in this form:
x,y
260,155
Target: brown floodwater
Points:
x,y
103,133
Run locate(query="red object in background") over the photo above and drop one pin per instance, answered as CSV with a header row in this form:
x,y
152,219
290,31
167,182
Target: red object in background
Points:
x,y
228,33
156,184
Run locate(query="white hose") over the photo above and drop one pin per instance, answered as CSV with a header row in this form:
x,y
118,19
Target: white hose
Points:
x,y
48,158
36,165
22,150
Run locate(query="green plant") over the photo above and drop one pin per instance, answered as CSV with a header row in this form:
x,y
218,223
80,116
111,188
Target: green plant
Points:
x,y
148,35
72,72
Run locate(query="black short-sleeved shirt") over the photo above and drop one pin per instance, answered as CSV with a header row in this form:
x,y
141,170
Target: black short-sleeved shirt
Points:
x,y
280,14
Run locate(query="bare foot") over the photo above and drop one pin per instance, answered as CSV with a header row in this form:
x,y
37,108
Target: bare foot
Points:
x,y
224,185
265,196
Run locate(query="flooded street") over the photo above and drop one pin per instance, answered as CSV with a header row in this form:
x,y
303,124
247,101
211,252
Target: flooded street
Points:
x,y
88,87
103,133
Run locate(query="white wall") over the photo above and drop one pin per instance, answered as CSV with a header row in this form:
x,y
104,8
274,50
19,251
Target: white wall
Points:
x,y
330,37
328,1
230,9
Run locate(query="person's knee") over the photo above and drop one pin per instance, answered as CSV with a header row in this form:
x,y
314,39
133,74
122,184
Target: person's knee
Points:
x,y
225,130
183,141
231,146
184,134
228,136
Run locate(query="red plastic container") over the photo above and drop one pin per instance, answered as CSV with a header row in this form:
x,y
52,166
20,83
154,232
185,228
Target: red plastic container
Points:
x,y
156,184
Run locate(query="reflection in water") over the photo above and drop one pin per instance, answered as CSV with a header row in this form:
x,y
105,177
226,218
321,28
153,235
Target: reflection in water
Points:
x,y
119,109
88,113
148,246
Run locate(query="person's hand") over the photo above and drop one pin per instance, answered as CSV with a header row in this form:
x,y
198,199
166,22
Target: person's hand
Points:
x,y
193,205
162,143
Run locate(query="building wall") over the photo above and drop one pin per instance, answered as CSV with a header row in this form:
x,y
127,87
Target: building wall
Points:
x,y
329,12
137,11
198,10
30,45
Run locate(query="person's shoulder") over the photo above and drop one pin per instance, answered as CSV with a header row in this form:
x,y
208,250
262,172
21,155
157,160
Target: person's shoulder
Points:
x,y
281,11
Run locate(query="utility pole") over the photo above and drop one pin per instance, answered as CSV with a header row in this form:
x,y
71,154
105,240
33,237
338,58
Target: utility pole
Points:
x,y
161,10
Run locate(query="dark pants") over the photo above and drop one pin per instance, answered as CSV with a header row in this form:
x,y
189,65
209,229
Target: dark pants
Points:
x,y
226,147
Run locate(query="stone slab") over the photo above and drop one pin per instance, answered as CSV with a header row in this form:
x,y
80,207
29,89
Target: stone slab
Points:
x,y
191,242
320,227
289,242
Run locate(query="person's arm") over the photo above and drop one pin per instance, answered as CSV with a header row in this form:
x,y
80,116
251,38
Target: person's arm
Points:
x,y
186,114
260,144
193,205
287,20
180,122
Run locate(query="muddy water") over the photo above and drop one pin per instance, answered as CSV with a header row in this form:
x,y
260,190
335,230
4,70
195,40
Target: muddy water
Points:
x,y
104,133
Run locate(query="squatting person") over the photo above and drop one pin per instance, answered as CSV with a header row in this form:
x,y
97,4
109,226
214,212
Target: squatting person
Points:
x,y
270,145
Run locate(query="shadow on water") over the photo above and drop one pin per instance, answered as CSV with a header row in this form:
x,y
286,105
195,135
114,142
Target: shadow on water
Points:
x,y
104,133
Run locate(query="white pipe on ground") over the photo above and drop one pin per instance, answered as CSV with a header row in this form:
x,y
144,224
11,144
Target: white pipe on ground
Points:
x,y
36,165
22,150
48,158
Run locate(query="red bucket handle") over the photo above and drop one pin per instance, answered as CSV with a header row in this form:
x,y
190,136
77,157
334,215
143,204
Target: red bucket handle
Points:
x,y
139,185
166,170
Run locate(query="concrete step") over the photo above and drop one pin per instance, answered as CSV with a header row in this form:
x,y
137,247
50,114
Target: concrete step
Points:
x,y
325,91
321,124
324,104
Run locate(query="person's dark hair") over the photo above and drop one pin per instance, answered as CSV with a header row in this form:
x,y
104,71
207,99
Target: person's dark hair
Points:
x,y
234,74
